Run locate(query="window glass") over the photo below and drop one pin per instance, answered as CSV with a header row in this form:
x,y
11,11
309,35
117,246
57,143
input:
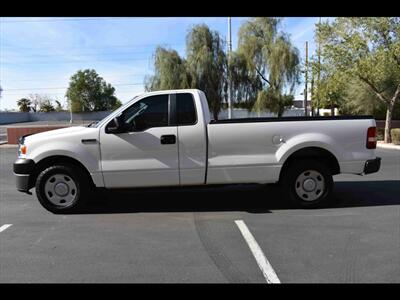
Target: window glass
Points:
x,y
148,112
186,111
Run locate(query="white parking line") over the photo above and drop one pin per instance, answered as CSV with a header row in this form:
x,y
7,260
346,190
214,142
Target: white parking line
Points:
x,y
4,227
262,261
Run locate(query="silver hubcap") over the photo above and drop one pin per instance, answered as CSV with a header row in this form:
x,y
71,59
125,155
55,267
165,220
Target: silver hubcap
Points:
x,y
310,185
60,190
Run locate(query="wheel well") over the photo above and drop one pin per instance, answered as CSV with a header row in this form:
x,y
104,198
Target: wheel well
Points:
x,y
319,154
53,160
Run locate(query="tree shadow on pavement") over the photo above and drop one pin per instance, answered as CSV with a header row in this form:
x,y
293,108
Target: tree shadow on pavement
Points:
x,y
256,199
366,193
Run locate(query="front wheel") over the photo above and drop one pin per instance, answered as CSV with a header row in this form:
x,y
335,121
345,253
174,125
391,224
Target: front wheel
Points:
x,y
61,188
308,183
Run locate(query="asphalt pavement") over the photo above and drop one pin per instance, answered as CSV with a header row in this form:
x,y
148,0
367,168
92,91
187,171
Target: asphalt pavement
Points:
x,y
190,235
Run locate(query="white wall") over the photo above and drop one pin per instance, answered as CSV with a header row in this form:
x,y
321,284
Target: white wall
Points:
x,y
244,113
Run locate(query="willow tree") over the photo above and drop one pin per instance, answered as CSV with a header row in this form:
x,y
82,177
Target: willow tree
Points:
x,y
367,49
270,54
275,103
170,72
206,62
245,84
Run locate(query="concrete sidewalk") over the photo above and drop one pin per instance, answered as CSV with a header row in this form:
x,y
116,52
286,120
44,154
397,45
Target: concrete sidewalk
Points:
x,y
383,145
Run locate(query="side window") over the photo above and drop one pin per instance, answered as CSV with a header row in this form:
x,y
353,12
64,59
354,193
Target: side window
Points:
x,y
146,113
186,110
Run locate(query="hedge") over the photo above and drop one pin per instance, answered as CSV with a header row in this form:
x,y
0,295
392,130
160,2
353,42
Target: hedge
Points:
x,y
396,136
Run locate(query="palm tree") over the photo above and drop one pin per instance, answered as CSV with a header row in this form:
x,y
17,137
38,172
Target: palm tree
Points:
x,y
24,104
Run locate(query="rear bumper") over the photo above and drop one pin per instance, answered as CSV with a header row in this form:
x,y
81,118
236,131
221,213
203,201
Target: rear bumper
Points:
x,y
372,165
23,169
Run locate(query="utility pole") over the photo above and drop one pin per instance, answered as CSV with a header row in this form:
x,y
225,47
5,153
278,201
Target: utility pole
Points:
x,y
70,111
229,50
306,82
312,94
319,68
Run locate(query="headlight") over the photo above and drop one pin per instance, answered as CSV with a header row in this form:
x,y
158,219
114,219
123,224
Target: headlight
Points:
x,y
21,147
21,150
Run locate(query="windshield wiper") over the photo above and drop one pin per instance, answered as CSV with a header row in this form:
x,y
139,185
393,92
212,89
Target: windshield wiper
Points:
x,y
93,123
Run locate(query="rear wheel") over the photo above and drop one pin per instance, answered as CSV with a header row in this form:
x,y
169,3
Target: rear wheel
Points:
x,y
62,189
308,183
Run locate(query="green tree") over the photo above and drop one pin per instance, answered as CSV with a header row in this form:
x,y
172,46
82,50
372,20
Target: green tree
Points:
x,y
46,106
270,54
332,88
170,72
367,49
24,104
244,84
206,64
204,68
276,103
117,104
88,91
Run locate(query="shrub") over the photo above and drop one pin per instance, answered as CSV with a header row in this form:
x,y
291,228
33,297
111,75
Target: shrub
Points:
x,y
380,134
396,136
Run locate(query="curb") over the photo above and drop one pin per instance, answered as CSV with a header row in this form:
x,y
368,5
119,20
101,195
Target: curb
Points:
x,y
388,146
8,146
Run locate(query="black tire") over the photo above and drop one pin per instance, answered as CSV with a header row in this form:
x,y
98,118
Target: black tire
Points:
x,y
292,177
80,195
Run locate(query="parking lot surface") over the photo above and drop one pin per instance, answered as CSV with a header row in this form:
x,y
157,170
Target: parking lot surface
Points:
x,y
190,235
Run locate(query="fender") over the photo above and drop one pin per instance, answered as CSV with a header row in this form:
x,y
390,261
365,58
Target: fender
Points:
x,y
307,140
87,155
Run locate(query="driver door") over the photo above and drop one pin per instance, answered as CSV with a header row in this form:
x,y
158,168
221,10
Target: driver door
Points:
x,y
146,153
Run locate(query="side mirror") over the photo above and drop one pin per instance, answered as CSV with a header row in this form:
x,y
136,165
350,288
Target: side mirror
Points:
x,y
115,126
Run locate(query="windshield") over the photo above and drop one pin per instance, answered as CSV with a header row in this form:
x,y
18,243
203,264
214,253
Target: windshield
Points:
x,y
99,123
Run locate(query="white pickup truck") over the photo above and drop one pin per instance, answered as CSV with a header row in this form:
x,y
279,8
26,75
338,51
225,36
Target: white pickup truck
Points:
x,y
167,138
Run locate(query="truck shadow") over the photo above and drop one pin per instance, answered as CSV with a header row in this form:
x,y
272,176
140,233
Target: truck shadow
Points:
x,y
257,199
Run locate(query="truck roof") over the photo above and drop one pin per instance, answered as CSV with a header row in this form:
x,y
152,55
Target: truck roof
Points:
x,y
160,92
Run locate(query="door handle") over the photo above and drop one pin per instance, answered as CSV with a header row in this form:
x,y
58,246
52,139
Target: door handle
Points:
x,y
168,139
89,141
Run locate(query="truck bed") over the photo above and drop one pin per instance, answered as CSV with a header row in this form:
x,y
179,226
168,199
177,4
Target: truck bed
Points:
x,y
254,149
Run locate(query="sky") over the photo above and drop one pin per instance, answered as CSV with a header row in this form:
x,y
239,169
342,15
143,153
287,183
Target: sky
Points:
x,y
39,55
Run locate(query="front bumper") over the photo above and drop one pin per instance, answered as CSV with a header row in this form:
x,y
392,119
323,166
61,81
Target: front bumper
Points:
x,y
372,165
23,169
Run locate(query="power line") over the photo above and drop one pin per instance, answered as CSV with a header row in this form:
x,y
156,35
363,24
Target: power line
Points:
x,y
59,93
65,20
48,79
95,47
64,87
75,61
14,55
